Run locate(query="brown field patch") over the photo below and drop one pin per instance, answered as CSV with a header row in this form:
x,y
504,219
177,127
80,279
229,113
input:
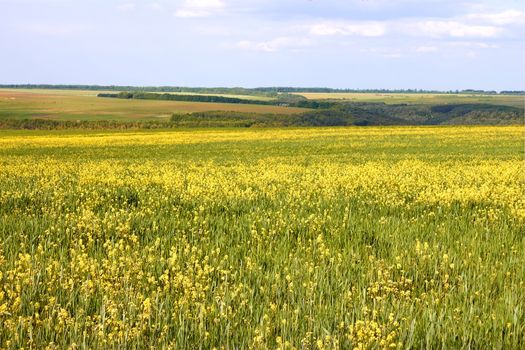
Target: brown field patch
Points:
x,y
59,104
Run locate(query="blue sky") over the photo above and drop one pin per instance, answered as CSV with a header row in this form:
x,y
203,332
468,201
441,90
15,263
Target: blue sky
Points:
x,y
429,44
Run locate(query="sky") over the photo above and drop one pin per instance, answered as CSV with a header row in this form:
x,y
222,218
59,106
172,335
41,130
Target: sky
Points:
x,y
357,44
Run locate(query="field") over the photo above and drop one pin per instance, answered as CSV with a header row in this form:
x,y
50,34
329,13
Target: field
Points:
x,y
424,98
328,238
245,97
84,105
82,109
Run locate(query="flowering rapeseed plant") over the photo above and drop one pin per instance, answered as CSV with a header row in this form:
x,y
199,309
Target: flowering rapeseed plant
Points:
x,y
373,238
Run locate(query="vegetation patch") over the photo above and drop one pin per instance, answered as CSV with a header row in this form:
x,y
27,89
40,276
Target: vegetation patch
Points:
x,y
305,238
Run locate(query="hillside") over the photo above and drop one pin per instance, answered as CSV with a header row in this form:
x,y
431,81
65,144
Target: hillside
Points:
x,y
98,109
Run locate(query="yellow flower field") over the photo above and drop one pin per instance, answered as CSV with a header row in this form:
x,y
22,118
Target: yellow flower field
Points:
x,y
330,238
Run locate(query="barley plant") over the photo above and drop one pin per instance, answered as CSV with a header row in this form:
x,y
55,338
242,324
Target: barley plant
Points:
x,y
330,238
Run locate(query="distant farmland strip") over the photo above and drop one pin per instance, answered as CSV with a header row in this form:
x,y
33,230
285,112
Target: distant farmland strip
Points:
x,y
184,97
84,105
59,109
283,101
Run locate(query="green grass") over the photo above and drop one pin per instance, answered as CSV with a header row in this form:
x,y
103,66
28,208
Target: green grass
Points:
x,y
394,98
84,105
245,97
313,238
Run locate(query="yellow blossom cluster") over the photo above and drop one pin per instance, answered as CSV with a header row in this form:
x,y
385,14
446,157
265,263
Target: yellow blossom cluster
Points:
x,y
336,238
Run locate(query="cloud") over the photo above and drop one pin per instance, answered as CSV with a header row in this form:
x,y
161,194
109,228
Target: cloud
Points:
x,y
502,18
425,49
129,6
190,13
370,29
435,28
200,8
473,45
205,4
54,29
301,35
385,52
274,45
465,30
155,6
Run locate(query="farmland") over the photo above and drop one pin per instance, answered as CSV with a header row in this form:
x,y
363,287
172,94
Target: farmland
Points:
x,y
419,98
84,105
92,108
310,238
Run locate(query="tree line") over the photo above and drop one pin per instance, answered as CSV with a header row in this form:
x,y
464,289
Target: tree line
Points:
x,y
258,91
343,114
286,100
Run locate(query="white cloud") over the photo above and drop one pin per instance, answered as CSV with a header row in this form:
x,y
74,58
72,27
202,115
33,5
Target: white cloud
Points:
x,y
502,18
426,49
385,52
402,37
200,8
392,55
473,45
129,6
370,29
274,45
455,29
191,13
51,29
205,4
155,6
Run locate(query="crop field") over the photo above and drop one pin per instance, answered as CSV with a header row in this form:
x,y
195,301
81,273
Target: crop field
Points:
x,y
85,105
246,97
329,238
423,98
